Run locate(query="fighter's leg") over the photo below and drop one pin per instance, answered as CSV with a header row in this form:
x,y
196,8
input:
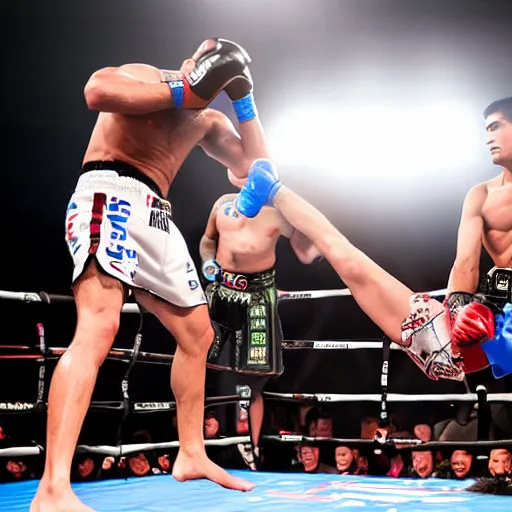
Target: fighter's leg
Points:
x,y
99,299
256,414
381,296
194,334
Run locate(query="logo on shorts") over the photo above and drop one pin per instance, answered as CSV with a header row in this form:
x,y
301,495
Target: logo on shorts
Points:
x,y
193,284
124,260
160,216
71,236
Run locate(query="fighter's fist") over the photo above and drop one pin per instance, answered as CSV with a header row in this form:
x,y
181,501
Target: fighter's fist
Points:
x,y
474,324
213,66
259,190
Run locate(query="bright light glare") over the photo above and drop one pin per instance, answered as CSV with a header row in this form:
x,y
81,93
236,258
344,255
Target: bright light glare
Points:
x,y
373,141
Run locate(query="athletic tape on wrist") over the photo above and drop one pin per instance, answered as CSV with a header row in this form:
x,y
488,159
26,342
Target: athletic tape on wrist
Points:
x,y
177,88
245,108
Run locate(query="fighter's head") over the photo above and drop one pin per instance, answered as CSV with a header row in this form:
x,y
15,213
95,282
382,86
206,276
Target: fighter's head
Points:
x,y
205,47
498,124
237,182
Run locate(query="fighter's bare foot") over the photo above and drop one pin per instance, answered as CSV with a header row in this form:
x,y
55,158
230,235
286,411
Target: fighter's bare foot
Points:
x,y
65,500
188,467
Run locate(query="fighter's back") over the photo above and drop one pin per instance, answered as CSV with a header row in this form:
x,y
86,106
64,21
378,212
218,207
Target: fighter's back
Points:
x,y
156,143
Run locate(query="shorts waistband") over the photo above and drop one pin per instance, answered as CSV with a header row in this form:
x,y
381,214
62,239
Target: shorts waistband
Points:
x,y
247,282
122,169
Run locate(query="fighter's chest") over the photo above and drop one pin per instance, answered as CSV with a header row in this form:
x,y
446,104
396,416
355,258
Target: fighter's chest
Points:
x,y
497,209
230,221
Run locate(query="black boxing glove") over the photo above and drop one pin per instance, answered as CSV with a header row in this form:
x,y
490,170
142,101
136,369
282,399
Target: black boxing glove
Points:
x,y
217,63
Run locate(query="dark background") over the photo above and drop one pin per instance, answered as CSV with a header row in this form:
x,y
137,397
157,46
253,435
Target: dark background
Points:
x,y
373,110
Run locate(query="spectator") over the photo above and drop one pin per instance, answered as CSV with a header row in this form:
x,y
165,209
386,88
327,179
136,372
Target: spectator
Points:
x,y
346,463
422,464
138,464
84,469
211,426
164,463
17,470
423,432
461,462
499,462
310,461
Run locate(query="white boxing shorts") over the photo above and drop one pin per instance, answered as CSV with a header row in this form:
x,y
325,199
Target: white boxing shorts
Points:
x,y
128,228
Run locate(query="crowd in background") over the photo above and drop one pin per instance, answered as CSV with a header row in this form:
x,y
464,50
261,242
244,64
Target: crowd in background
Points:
x,y
314,456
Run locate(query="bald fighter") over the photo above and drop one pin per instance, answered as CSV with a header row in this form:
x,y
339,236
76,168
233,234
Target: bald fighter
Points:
x,y
121,237
422,326
486,221
239,256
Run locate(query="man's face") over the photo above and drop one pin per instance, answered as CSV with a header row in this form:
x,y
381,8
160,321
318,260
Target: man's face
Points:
x,y
309,457
461,463
322,427
86,467
423,463
344,458
211,427
499,138
499,462
139,464
164,462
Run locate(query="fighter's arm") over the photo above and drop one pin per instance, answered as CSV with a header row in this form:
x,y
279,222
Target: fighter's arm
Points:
x,y
305,250
208,243
129,89
142,89
235,150
465,272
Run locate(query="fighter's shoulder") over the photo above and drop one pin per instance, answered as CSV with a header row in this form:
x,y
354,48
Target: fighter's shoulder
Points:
x,y
226,198
478,193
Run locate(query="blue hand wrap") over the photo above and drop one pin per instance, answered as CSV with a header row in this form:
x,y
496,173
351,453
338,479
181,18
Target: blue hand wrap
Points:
x,y
245,108
499,349
260,189
177,88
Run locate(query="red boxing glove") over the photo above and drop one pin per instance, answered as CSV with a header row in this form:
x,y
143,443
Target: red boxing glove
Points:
x,y
474,324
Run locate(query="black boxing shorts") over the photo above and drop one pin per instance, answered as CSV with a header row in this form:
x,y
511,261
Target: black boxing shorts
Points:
x,y
248,336
496,285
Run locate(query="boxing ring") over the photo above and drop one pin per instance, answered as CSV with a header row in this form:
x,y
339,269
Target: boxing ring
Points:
x,y
275,491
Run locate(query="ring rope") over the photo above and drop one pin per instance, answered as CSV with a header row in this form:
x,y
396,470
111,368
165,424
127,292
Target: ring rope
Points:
x,y
406,443
48,298
391,397
139,407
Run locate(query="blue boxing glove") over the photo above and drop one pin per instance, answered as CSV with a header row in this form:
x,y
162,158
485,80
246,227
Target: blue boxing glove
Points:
x,y
211,269
499,349
261,187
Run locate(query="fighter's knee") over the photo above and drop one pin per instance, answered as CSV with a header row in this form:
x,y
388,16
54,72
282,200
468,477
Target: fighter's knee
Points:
x,y
95,334
198,341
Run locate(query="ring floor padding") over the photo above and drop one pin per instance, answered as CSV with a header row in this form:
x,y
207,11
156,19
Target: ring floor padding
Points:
x,y
275,492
